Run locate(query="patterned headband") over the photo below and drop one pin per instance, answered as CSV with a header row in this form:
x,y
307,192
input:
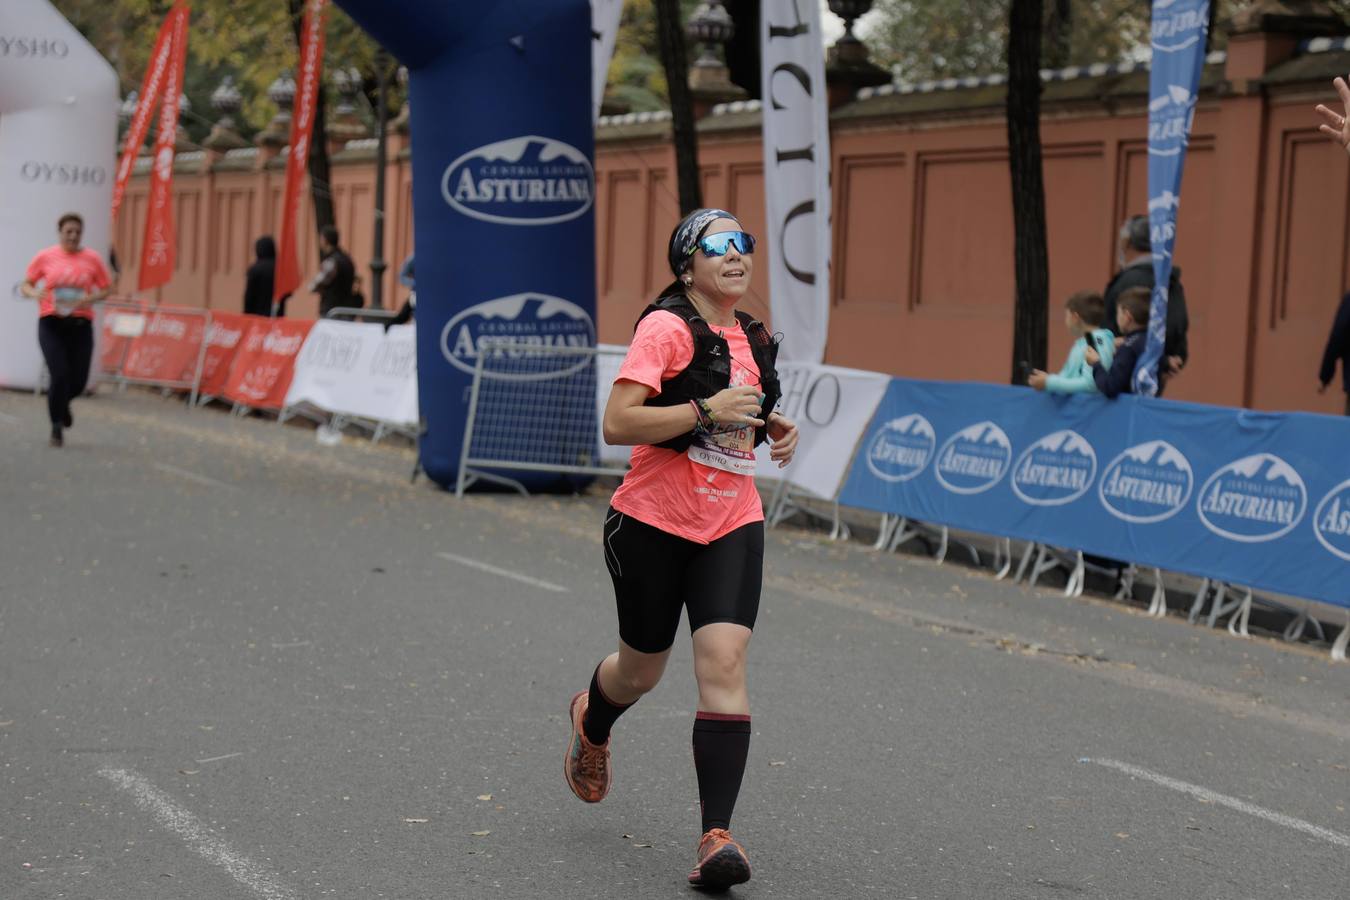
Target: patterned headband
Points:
x,y
686,236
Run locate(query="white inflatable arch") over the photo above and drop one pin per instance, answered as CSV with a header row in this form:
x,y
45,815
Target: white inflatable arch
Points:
x,y
58,148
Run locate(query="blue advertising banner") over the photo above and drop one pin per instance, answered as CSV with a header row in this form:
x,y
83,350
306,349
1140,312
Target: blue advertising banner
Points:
x,y
1257,499
503,189
1179,28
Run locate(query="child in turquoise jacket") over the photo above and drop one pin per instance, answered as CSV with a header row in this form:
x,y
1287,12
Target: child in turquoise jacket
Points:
x,y
1084,315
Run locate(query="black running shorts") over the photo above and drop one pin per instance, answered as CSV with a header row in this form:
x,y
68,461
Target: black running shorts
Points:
x,y
656,573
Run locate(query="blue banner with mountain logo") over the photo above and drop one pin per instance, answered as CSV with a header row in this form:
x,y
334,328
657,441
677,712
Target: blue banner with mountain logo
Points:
x,y
1178,41
1251,498
503,206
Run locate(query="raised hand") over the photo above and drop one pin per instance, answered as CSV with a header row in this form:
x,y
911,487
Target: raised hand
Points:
x,y
1337,125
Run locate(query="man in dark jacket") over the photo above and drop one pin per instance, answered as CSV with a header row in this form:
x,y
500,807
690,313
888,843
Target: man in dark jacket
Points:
x,y
1136,270
259,280
1338,347
337,274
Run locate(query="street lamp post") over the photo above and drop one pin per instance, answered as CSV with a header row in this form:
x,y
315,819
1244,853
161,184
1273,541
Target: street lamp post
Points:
x,y
377,262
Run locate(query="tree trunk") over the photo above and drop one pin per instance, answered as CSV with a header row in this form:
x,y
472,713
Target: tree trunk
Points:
x,y
320,181
670,36
1030,256
1058,34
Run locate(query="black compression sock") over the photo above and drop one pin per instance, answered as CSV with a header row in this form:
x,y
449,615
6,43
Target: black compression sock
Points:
x,y
601,713
721,744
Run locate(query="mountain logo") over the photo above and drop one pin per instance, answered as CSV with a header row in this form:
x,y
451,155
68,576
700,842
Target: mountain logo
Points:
x,y
974,459
902,448
1169,120
1055,470
1147,483
528,180
1256,498
1331,522
529,319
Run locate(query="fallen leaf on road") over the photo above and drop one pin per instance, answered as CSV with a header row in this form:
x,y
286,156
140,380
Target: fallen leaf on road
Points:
x,y
480,833
188,771
1122,835
417,821
644,845
484,796
778,762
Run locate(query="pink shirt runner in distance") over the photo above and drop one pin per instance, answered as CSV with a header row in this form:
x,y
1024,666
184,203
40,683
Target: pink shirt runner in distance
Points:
x,y
82,270
664,488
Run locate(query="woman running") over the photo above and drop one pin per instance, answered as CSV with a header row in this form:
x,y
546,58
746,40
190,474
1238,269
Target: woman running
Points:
x,y
67,281
695,394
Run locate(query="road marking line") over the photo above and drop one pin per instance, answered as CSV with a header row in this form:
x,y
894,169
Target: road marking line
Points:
x,y
219,758
198,836
1251,809
193,476
475,564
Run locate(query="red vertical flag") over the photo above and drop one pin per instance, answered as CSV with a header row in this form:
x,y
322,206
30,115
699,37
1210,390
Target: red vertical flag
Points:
x,y
287,276
158,246
151,88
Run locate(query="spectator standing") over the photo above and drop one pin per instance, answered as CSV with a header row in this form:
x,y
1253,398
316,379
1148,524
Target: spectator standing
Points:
x,y
336,278
1134,252
1083,317
259,281
66,280
408,278
1131,321
1338,348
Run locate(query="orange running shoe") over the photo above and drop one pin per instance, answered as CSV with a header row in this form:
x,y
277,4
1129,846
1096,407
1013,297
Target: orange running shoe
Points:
x,y
586,765
721,861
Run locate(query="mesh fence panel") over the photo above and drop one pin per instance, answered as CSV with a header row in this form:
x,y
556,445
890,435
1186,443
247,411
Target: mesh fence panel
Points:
x,y
534,408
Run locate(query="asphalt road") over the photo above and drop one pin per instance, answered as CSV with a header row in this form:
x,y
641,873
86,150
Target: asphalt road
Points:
x,y
237,664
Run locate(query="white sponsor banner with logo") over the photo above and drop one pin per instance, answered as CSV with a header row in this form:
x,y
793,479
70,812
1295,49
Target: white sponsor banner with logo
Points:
x,y
796,176
831,406
58,132
357,369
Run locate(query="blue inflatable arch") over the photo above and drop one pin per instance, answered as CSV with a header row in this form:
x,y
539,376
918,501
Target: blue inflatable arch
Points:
x,y
503,186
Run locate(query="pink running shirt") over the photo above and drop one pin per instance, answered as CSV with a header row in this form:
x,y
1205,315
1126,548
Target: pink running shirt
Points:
x,y
78,272
668,489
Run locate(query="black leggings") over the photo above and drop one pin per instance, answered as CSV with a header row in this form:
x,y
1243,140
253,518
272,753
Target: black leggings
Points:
x,y
656,573
68,345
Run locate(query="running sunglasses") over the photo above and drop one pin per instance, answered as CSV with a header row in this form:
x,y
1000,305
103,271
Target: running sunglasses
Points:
x,y
717,244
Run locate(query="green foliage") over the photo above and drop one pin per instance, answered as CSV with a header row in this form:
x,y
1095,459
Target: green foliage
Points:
x,y
635,74
925,39
252,40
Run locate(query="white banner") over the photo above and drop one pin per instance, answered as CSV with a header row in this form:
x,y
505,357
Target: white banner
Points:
x,y
58,140
357,369
832,407
604,33
796,176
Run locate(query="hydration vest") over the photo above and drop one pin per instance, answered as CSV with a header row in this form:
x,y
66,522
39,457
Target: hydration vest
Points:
x,y
709,371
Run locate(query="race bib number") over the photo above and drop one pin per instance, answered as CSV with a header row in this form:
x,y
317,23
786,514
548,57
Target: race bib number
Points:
x,y
732,450
65,299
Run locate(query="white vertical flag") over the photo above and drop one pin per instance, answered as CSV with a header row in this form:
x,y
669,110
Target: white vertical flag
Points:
x,y
604,32
796,175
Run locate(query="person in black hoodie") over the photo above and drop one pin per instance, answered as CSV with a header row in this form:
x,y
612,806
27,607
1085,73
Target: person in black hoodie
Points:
x,y
258,281
1136,270
1132,308
1338,347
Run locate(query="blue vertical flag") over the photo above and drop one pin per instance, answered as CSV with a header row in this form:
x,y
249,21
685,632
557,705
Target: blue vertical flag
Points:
x,y
1179,28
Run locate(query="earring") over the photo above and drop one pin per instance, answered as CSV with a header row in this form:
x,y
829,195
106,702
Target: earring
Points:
x,y
687,281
